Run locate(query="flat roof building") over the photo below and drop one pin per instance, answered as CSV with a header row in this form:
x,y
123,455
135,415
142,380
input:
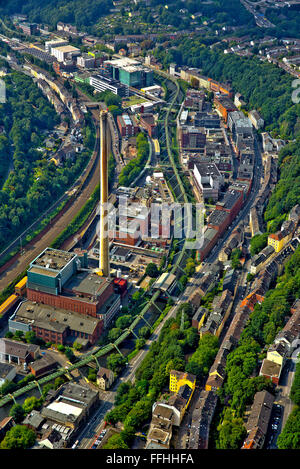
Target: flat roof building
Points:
x,y
72,406
55,325
208,179
62,53
102,83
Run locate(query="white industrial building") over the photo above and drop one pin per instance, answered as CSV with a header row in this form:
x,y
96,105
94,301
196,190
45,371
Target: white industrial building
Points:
x,y
65,52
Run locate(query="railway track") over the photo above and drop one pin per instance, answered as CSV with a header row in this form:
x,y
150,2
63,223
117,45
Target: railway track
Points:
x,y
113,346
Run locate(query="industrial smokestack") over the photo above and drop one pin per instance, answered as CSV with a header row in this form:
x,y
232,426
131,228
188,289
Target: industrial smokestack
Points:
x,y
104,242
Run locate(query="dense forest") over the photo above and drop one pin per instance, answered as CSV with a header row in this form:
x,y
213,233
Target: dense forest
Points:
x,y
287,192
286,22
34,183
81,13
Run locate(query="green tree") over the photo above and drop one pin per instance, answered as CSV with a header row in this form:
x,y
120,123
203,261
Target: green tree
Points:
x,y
289,438
59,381
18,437
17,413
115,362
114,333
30,337
31,403
257,243
144,332
152,270
231,433
123,321
115,442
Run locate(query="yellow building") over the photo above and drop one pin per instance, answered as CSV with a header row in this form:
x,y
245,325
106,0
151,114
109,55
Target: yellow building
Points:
x,y
276,354
181,378
279,239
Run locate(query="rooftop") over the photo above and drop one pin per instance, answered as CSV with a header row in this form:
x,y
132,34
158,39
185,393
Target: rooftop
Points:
x,y
217,217
207,169
88,283
13,347
55,319
67,49
53,259
230,199
5,369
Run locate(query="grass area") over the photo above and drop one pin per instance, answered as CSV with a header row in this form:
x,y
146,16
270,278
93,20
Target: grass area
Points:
x,y
132,100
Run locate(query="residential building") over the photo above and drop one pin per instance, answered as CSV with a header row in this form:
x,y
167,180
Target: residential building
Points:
x,y
256,119
61,53
279,240
258,420
224,105
199,317
147,121
201,419
105,378
28,28
191,138
231,202
128,126
5,425
86,61
179,379
160,431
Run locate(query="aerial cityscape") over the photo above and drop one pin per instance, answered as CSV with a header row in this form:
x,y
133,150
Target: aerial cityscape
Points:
x,y
150,227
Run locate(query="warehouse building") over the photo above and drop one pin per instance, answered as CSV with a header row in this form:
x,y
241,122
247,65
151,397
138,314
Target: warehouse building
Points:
x,y
63,53
71,407
13,351
55,325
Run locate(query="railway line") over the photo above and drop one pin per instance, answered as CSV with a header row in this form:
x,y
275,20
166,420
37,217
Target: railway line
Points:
x,y
113,346
83,190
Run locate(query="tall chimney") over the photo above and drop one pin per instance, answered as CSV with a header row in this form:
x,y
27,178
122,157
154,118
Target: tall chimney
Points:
x,y
104,241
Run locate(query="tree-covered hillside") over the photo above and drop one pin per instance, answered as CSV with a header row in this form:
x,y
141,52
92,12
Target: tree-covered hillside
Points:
x,y
34,182
81,13
265,87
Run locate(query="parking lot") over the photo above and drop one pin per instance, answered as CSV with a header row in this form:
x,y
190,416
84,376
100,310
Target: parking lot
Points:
x,y
99,439
275,427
